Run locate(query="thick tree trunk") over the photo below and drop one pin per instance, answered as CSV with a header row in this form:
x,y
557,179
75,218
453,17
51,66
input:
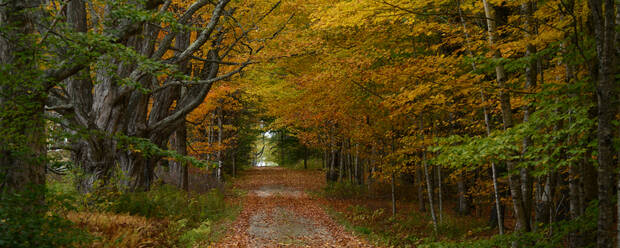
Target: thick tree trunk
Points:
x,y
113,108
22,101
180,146
604,17
463,206
95,158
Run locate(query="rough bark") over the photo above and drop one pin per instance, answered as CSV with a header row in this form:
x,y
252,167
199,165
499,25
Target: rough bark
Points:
x,y
180,146
22,100
111,108
182,42
604,18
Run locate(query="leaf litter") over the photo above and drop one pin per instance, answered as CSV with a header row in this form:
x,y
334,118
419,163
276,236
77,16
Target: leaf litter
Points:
x,y
278,213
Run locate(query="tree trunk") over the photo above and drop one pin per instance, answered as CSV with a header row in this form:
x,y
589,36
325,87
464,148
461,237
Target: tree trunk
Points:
x,y
420,184
331,173
429,190
219,144
462,191
349,164
95,158
340,162
180,146
439,194
498,209
393,195
574,239
22,100
116,109
543,195
530,83
305,157
603,16
513,179
234,166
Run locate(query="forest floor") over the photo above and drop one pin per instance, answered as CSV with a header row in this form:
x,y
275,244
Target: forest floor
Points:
x,y
278,212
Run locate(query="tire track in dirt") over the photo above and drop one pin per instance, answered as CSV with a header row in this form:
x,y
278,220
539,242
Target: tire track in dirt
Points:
x,y
278,213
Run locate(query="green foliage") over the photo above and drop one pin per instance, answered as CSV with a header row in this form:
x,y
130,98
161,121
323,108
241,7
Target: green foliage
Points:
x,y
38,225
344,190
167,201
408,228
199,234
551,146
289,151
549,236
191,216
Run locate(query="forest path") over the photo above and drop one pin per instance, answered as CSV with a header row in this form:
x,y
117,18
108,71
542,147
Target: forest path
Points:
x,y
277,212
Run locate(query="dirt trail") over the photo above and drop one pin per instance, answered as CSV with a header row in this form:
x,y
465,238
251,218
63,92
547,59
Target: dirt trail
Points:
x,y
278,213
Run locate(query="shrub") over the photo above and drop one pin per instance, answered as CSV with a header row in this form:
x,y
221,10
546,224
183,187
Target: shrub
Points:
x,y
197,235
165,215
344,190
542,238
24,224
167,201
120,230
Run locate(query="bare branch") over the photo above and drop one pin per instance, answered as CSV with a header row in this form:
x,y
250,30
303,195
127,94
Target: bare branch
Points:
x,y
64,107
206,81
205,34
167,40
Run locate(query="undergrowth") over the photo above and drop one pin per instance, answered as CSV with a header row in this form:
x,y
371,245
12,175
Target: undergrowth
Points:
x,y
415,229
163,217
344,190
38,225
